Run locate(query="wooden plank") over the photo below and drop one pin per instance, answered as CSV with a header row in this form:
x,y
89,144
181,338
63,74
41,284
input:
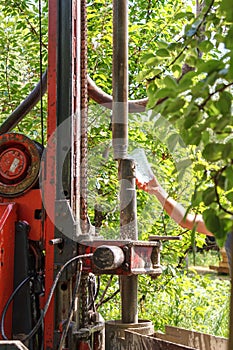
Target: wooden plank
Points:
x,y
135,341
223,264
220,269
200,341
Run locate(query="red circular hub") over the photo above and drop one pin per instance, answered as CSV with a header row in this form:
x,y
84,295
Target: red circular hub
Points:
x,y
13,164
19,164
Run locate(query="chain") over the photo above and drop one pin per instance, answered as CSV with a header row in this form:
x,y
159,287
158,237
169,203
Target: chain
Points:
x,y
84,114
84,301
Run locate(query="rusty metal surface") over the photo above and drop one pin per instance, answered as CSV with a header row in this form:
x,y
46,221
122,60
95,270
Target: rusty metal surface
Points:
x,y
141,257
108,257
129,230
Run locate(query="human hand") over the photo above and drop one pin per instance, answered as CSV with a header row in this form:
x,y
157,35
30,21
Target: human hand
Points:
x,y
148,187
141,186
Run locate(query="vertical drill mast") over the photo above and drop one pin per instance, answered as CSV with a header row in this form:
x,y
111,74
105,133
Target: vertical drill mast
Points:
x,y
128,216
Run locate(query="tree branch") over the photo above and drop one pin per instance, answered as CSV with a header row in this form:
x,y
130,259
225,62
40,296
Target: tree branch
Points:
x,y
224,87
215,179
32,28
188,41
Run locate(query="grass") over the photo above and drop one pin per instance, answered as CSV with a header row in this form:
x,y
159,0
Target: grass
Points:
x,y
181,298
205,258
191,301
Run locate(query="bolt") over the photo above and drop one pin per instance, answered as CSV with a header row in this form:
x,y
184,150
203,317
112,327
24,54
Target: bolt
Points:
x,y
55,241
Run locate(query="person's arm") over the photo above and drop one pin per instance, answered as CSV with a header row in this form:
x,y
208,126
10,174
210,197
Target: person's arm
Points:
x,y
175,210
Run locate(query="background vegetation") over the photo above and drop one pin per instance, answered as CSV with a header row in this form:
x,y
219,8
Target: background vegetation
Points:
x,y
179,298
182,59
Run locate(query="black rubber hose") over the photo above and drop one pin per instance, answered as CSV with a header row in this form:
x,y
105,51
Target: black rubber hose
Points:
x,y
94,92
8,304
24,108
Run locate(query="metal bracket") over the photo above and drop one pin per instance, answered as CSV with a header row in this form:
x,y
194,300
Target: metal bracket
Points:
x,y
67,225
140,257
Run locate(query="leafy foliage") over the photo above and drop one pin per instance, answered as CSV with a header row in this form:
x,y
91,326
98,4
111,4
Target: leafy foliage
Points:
x,y
179,299
199,104
20,58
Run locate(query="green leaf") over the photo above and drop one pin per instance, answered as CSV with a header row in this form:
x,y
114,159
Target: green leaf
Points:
x,y
227,151
192,136
164,92
199,167
218,225
205,46
229,178
230,196
183,164
188,76
145,74
147,56
184,85
152,62
163,53
213,152
191,120
191,115
224,103
161,44
212,221
196,198
230,74
188,15
170,82
176,69
209,196
221,124
151,89
227,8
172,141
210,66
175,105
229,39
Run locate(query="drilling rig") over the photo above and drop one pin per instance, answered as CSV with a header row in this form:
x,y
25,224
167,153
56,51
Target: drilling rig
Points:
x,y
49,249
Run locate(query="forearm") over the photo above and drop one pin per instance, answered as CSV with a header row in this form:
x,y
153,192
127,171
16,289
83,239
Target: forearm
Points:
x,y
178,213
175,210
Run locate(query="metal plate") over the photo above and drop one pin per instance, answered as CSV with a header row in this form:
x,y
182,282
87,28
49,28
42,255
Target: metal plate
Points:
x,y
19,164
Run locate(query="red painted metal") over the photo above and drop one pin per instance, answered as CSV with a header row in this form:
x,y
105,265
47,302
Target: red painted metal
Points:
x,y
7,238
141,257
83,346
49,187
13,164
19,164
29,209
